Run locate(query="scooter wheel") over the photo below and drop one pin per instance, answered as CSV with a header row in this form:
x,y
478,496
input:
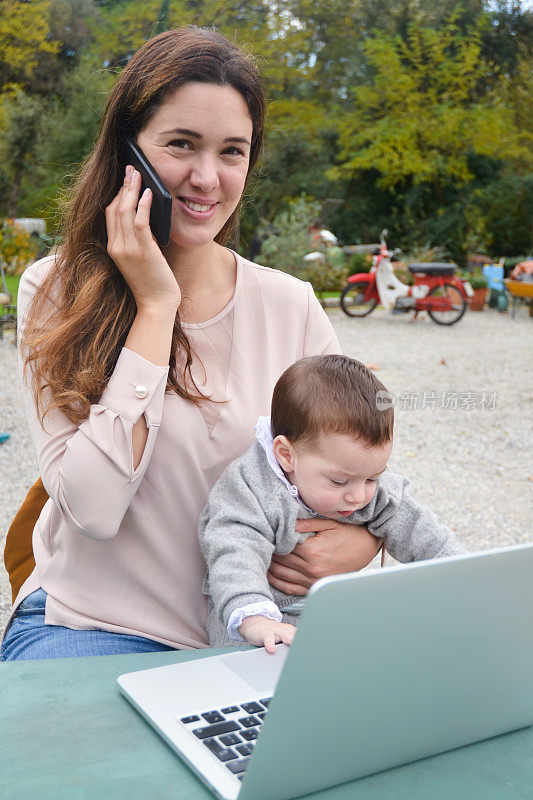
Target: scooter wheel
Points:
x,y
458,305
353,301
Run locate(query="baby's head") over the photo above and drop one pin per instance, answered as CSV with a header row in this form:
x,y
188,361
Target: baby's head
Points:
x,y
330,437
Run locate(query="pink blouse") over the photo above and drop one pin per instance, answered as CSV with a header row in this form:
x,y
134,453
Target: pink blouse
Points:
x,y
116,548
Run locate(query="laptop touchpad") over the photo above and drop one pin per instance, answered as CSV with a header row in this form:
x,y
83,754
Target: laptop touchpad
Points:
x,y
257,667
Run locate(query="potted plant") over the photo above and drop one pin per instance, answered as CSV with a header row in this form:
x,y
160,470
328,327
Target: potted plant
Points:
x,y
479,284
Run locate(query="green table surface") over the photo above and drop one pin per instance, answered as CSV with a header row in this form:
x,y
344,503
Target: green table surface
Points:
x,y
67,732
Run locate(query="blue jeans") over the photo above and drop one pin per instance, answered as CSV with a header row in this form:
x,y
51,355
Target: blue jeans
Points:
x,y
29,637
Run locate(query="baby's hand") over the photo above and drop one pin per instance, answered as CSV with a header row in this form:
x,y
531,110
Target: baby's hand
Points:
x,y
260,631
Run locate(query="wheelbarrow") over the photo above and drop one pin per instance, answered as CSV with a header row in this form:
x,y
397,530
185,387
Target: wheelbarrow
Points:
x,y
521,292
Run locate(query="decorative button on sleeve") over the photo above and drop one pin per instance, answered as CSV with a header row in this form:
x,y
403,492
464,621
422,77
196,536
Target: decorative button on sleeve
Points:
x,y
140,391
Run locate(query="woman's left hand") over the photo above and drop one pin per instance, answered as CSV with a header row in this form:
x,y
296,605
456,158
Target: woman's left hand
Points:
x,y
334,549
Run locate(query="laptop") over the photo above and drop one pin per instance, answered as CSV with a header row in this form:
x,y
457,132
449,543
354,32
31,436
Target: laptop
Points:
x,y
386,667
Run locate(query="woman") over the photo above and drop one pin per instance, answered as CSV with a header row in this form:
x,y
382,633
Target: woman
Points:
x,y
147,369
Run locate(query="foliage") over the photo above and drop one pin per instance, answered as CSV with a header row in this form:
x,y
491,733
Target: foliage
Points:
x,y
507,36
54,159
286,239
71,24
300,149
505,207
476,278
125,26
24,35
122,28
422,115
418,114
359,262
426,252
327,275
17,248
23,116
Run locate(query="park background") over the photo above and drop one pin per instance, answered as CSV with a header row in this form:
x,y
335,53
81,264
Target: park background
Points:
x,y
417,115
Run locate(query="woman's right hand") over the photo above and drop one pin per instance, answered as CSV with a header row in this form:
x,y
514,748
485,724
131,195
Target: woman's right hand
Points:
x,y
134,249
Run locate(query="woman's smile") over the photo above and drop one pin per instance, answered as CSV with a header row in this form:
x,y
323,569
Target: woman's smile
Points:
x,y
197,209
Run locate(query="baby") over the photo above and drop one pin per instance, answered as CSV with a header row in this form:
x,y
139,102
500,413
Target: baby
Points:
x,y
323,452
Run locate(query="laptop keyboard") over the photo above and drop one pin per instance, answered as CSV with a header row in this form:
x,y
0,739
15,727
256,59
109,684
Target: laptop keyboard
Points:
x,y
230,733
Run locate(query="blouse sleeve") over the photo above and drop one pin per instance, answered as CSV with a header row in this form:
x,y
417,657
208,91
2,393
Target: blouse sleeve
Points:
x,y
87,469
320,338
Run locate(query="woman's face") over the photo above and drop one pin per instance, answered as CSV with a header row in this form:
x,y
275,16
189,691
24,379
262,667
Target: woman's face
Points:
x,y
199,144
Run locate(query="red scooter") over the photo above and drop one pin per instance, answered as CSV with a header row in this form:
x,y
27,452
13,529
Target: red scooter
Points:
x,y
436,289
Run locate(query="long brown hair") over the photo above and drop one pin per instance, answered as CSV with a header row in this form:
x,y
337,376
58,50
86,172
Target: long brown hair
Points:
x,y
81,314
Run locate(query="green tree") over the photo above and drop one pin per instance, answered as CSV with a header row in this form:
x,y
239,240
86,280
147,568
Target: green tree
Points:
x,y
262,29
68,134
23,116
123,27
506,208
421,118
70,26
24,34
300,148
62,135
507,36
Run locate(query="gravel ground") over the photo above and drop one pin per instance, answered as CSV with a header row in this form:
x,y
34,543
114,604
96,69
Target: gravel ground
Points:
x,y
464,399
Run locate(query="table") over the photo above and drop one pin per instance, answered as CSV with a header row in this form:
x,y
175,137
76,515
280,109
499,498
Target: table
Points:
x,y
68,734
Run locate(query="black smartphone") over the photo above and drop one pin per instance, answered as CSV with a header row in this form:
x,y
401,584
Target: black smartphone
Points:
x,y
161,210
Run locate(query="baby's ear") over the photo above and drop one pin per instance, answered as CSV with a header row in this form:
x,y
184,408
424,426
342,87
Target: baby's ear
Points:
x,y
284,452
